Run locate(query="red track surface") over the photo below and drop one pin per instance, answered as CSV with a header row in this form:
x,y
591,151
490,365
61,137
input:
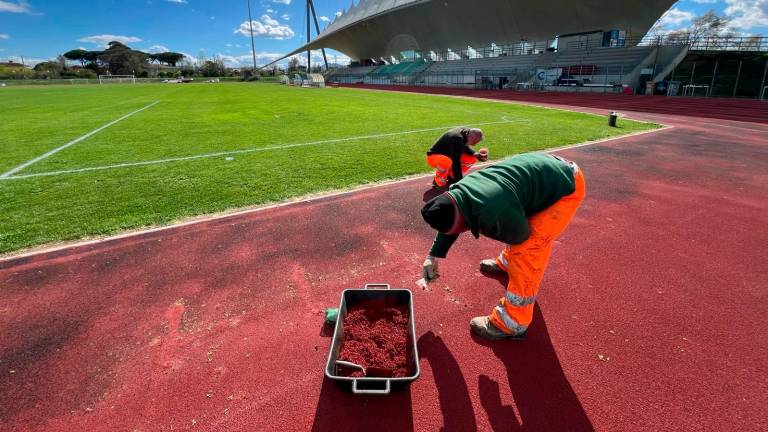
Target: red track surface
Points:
x,y
652,315
751,110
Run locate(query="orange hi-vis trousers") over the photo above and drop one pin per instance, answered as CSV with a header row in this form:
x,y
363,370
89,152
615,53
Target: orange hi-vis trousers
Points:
x,y
443,166
525,263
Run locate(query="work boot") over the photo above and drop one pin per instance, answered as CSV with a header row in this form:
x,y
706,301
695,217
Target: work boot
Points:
x,y
483,327
490,266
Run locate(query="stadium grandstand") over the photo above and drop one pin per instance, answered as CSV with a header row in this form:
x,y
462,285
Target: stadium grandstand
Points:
x,y
599,46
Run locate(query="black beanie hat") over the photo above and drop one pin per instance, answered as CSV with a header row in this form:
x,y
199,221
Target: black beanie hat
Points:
x,y
439,213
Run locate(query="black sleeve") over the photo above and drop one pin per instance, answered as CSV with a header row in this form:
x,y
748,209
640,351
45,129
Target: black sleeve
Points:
x,y
442,244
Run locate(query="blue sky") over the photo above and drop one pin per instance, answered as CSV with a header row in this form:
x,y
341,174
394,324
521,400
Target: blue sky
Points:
x,y
41,29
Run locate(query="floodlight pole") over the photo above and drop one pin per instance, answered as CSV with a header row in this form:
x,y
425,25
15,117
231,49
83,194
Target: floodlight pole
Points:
x,y
309,52
253,44
317,27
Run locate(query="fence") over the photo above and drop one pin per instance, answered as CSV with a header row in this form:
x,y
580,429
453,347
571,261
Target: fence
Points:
x,y
83,81
721,77
723,43
720,43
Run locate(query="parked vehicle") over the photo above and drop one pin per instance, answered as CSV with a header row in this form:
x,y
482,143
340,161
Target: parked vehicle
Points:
x,y
567,81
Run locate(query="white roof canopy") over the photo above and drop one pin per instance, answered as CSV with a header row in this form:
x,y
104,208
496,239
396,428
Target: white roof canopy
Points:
x,y
383,28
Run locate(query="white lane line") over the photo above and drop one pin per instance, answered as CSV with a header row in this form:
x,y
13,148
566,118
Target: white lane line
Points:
x,y
250,150
73,142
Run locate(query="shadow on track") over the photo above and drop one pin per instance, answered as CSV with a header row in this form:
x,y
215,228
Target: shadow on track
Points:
x,y
455,402
340,410
544,399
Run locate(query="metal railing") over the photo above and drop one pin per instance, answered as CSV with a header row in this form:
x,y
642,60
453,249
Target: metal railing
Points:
x,y
724,43
721,43
522,48
600,78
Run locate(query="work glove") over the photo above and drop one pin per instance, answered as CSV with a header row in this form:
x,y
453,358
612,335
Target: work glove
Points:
x,y
482,155
429,268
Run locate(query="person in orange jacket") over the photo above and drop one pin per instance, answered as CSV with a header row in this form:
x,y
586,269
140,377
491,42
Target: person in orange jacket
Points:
x,y
452,155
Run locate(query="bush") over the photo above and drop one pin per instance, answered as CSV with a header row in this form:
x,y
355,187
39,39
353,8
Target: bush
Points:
x,y
86,73
16,73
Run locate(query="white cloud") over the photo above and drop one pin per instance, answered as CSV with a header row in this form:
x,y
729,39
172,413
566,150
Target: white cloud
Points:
x,y
266,28
188,58
285,2
270,10
705,1
154,49
675,16
285,17
177,1
264,58
338,13
324,18
29,61
268,20
671,21
103,40
747,14
4,36
317,59
15,7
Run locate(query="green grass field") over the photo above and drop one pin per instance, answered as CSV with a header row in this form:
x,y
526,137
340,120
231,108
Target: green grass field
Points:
x,y
283,142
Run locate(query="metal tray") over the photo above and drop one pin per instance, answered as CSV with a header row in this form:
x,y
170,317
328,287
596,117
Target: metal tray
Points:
x,y
371,385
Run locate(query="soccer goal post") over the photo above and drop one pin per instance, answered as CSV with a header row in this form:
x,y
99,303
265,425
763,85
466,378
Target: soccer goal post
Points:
x,y
117,79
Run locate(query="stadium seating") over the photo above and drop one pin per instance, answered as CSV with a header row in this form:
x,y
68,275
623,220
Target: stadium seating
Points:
x,y
402,68
488,63
627,57
603,65
349,75
599,67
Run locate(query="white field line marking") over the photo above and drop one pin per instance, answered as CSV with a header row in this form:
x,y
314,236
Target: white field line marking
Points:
x,y
250,150
293,201
73,142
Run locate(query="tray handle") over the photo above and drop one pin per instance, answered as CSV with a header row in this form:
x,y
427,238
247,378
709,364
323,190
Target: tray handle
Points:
x,y
385,390
376,286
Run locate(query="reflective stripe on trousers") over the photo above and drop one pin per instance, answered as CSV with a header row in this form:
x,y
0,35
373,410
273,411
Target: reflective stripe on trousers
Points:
x,y
525,263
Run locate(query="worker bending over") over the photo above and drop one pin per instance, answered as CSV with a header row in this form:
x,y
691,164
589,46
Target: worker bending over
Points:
x,y
526,202
452,155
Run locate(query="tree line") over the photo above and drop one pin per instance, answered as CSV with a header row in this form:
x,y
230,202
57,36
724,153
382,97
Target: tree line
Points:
x,y
120,59
116,59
